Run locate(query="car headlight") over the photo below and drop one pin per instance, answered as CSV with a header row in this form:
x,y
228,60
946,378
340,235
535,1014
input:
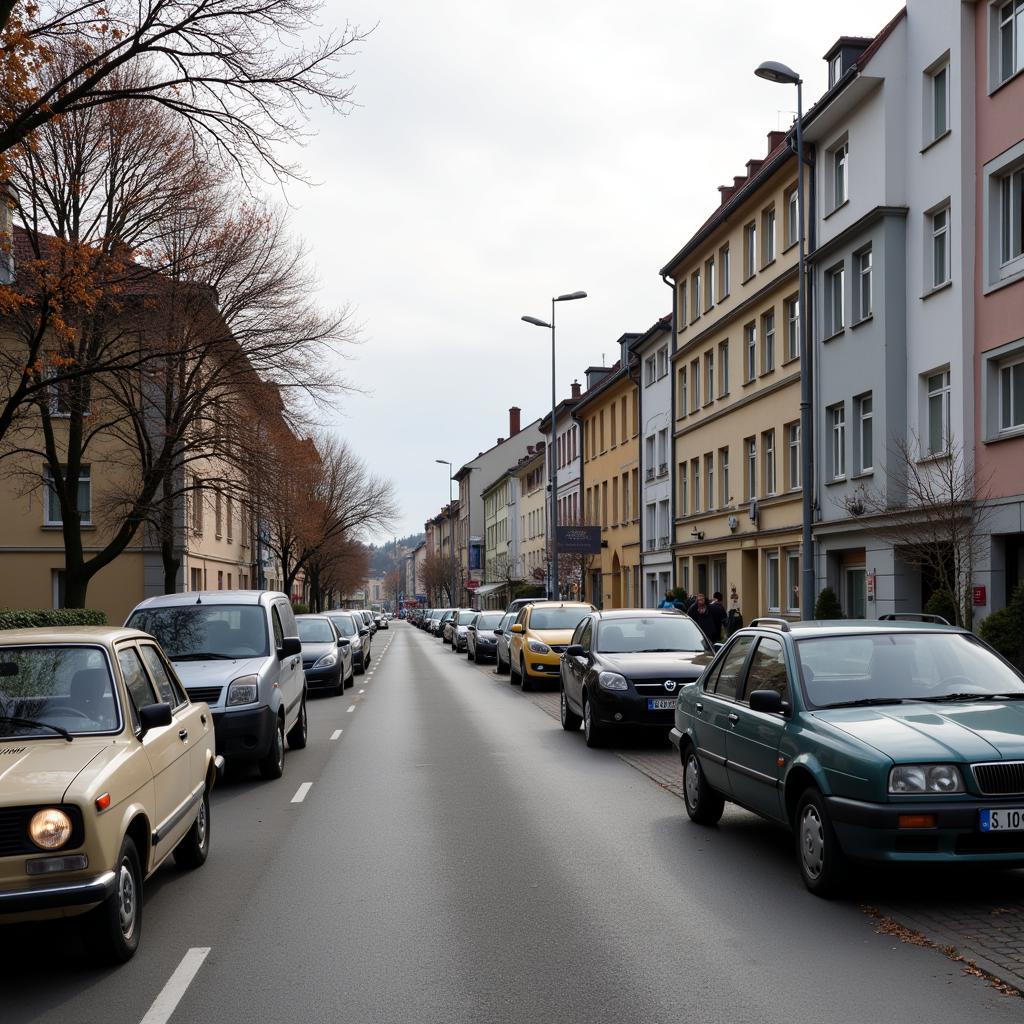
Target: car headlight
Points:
x,y
50,828
327,661
925,778
612,681
538,647
243,690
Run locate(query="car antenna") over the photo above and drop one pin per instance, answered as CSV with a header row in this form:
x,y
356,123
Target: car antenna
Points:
x,y
199,599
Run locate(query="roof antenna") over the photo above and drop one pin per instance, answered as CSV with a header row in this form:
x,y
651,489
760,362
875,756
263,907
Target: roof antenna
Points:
x,y
199,599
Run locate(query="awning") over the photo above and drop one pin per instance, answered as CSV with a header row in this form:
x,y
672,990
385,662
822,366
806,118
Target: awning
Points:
x,y
488,588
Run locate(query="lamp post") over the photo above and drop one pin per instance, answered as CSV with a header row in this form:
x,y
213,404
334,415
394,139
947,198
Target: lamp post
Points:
x,y
451,533
553,588
773,71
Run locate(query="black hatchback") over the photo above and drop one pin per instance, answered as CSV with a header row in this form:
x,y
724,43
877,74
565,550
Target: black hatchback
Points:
x,y
625,668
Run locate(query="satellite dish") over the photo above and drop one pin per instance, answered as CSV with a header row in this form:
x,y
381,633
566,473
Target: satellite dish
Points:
x,y
753,510
733,522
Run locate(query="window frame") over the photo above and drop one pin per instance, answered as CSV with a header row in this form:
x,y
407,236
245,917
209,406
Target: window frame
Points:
x,y
793,457
836,426
943,392
863,271
933,233
49,493
835,300
864,426
768,341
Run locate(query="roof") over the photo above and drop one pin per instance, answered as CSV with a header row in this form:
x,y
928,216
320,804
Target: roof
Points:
x,y
563,406
467,467
662,324
617,373
69,635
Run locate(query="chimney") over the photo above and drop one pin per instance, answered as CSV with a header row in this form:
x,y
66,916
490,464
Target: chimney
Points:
x,y
513,421
725,191
753,166
775,139
575,389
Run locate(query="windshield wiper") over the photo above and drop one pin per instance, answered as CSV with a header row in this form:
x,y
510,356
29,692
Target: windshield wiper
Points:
x,y
952,698
865,702
15,720
202,656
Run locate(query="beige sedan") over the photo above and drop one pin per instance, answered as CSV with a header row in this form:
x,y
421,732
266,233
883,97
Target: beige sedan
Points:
x,y
106,769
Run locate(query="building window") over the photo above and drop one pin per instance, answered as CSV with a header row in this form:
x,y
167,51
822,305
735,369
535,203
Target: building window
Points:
x,y
52,515
724,497
723,368
938,226
768,342
768,455
681,388
938,391
218,514
793,455
684,490
768,236
862,284
835,281
694,295
709,376
751,446
723,271
1011,218
937,93
197,505
649,460
749,250
771,581
695,385
663,451
229,512
837,441
695,483
709,283
793,582
792,217
681,307
1011,396
649,371
750,351
839,159
864,440
793,328
835,69
709,480
662,364
1009,42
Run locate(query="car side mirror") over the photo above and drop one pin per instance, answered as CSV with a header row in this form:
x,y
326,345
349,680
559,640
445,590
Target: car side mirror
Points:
x,y
152,716
575,651
717,646
497,632
290,646
342,642
364,631
768,701
518,628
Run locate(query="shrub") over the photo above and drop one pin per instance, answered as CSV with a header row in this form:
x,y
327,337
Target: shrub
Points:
x,y
300,608
33,618
827,605
942,603
1004,629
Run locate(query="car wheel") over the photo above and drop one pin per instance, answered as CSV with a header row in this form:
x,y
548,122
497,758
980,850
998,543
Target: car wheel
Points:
x,y
116,924
822,862
360,670
500,668
524,678
570,720
703,804
271,765
593,731
513,675
299,733
192,851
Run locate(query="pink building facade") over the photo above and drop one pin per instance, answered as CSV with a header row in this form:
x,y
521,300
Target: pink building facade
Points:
x,y
999,290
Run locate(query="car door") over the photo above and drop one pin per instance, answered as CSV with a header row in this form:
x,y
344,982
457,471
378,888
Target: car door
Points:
x,y
714,709
291,678
167,752
576,667
752,742
515,643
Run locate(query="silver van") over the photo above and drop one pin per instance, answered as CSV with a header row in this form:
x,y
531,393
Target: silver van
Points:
x,y
239,651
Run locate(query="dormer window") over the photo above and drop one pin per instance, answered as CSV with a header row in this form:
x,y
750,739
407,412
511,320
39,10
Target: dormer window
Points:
x,y
835,69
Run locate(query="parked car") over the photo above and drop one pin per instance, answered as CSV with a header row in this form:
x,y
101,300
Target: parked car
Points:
x,y
481,636
442,621
239,651
385,621
368,619
352,628
540,634
887,741
107,771
503,637
326,654
457,626
518,603
625,669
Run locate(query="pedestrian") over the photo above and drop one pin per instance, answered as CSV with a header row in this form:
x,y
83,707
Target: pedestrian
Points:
x,y
717,609
701,614
734,617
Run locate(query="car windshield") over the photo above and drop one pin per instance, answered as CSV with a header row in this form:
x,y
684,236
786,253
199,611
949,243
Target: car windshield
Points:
x,y
465,618
488,620
895,667
198,632
315,631
655,633
56,690
557,618
344,624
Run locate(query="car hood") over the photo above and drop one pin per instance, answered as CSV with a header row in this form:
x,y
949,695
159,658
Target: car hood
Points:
x,y
660,665
551,636
41,770
215,672
980,731
317,651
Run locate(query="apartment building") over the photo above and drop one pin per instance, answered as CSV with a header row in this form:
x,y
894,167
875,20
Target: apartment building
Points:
x,y
610,478
736,368
566,452
533,516
502,563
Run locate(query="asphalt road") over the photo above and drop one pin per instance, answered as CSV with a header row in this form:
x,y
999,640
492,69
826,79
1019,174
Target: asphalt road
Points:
x,y
457,857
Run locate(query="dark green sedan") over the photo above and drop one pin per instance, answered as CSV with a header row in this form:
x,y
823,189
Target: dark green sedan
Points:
x,y
872,741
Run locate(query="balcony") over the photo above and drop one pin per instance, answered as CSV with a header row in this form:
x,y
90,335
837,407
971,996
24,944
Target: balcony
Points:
x,y
650,472
663,469
663,542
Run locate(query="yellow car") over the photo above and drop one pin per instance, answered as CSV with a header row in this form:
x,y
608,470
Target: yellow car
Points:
x,y
540,634
106,769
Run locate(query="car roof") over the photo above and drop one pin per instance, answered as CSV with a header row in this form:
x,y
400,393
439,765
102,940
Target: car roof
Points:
x,y
637,613
854,627
312,615
70,635
209,597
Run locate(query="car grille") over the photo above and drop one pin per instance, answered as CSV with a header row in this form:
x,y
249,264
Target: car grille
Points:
x,y
990,842
1002,778
14,829
559,648
650,688
209,694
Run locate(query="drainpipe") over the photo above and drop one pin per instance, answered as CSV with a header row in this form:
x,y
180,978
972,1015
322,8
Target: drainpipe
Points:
x,y
672,449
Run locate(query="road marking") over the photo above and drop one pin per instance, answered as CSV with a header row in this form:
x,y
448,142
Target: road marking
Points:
x,y
362,691
167,1001
300,793
350,709
336,733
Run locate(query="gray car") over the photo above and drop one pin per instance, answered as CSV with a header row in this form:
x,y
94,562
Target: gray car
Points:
x,y
352,628
326,654
504,634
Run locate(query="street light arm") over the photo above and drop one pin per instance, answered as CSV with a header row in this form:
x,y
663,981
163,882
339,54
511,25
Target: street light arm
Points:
x,y
536,323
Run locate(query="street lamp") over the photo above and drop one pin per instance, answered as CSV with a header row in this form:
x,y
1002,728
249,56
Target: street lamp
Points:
x,y
451,531
553,588
773,71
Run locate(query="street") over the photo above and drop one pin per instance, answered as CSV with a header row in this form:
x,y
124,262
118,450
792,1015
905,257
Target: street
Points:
x,y
453,855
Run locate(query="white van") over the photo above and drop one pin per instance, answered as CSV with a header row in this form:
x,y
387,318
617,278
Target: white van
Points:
x,y
239,651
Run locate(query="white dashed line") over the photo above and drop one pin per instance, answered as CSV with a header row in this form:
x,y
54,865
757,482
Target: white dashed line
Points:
x,y
350,709
362,691
336,733
300,793
167,1001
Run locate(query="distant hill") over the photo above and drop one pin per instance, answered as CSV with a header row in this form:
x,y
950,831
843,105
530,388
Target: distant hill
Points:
x,y
382,557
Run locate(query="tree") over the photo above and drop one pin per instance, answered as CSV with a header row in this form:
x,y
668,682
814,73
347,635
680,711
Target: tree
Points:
x,y
435,575
827,606
393,586
1004,629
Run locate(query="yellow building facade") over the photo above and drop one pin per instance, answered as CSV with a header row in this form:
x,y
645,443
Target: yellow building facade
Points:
x,y
610,483
533,516
736,382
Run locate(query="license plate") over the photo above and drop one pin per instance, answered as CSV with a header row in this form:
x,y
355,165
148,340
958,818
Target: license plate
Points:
x,y
661,703
1005,819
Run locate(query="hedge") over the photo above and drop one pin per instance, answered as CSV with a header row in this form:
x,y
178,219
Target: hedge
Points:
x,y
30,618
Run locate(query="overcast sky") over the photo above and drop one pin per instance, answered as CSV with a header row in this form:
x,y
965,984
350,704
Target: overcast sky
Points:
x,y
505,153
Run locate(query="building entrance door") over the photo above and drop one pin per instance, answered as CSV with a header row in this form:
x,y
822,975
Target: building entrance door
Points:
x,y
855,592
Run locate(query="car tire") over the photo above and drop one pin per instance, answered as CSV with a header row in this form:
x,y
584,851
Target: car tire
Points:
x,y
524,678
595,734
359,671
192,851
500,666
823,865
299,733
703,804
271,764
569,719
513,676
115,926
